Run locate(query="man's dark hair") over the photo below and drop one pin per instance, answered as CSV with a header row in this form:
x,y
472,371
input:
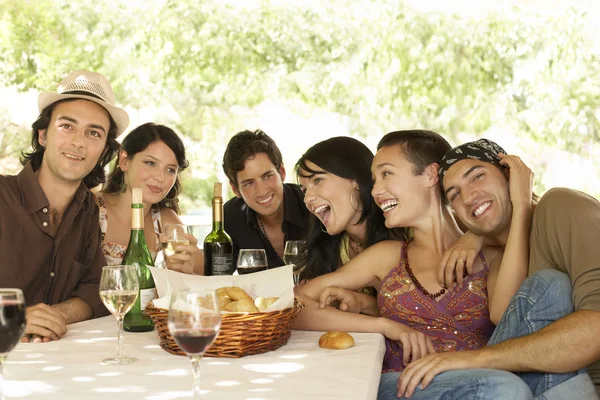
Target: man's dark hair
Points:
x,y
97,175
245,145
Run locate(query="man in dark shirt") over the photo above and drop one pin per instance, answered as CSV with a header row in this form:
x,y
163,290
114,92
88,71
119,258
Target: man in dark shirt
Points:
x,y
49,231
266,212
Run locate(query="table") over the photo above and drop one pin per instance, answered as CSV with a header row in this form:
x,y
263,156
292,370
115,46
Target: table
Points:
x,y
71,368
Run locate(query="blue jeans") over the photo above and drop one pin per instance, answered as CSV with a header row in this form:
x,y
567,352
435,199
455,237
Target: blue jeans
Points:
x,y
471,384
542,299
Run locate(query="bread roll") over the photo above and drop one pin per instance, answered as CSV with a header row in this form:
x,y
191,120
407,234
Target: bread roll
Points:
x,y
264,302
223,301
336,340
222,298
234,293
241,306
235,299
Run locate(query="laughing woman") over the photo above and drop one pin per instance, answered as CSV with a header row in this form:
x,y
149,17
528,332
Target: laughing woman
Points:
x,y
418,316
335,175
151,158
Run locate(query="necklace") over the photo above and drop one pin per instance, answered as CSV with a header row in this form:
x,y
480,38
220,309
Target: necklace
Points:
x,y
354,247
356,242
264,231
414,278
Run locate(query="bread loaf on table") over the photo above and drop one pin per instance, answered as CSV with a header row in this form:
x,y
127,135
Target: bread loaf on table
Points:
x,y
336,340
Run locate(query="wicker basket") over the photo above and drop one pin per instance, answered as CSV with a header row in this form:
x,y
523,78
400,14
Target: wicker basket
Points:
x,y
240,335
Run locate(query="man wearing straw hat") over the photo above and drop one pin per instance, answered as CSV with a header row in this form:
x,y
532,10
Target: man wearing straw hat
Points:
x,y
49,233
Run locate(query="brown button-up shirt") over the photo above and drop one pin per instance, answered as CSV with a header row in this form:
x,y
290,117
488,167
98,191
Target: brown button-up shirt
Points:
x,y
49,268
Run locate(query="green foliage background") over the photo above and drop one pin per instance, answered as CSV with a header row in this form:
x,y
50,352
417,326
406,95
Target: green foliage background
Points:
x,y
378,64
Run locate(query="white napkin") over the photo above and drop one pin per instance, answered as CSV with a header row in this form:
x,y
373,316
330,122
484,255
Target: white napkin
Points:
x,y
276,282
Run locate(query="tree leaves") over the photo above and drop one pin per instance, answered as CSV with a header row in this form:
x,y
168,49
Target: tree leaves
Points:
x,y
380,64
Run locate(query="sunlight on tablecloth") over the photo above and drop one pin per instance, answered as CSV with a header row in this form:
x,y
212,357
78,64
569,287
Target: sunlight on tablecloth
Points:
x,y
72,369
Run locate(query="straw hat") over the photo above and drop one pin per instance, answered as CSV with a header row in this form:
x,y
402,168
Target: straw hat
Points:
x,y
92,86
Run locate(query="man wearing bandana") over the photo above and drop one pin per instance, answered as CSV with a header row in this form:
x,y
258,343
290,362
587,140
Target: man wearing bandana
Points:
x,y
549,333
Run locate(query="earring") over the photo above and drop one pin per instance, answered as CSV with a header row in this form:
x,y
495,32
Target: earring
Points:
x,y
323,230
123,185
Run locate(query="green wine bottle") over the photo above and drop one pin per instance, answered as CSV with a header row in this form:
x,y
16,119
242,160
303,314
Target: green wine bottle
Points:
x,y
218,247
138,254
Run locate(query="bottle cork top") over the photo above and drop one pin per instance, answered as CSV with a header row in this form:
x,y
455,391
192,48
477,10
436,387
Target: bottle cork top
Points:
x,y
218,190
136,195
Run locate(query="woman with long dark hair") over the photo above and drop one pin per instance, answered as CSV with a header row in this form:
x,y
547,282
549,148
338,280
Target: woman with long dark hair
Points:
x,y
151,158
335,175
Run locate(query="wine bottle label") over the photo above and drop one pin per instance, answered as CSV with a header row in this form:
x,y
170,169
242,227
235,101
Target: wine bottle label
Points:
x,y
221,264
146,296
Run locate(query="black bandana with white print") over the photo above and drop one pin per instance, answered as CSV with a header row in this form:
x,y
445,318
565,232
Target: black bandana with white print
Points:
x,y
482,149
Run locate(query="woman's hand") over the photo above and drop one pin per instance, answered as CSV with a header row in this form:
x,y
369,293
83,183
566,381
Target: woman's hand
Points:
x,y
461,255
183,259
415,344
343,299
348,300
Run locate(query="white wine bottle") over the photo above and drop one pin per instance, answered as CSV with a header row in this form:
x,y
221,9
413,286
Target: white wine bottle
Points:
x,y
137,254
218,247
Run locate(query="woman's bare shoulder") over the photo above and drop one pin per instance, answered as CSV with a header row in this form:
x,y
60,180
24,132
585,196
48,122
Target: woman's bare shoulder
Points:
x,y
386,245
110,199
169,216
383,256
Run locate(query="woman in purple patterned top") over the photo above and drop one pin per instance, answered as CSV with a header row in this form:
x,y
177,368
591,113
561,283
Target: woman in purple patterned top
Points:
x,y
414,312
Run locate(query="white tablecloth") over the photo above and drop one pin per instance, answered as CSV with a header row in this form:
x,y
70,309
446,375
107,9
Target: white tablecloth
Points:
x,y
71,368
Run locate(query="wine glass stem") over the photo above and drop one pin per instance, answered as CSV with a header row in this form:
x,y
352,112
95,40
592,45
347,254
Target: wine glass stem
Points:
x,y
196,374
2,358
120,352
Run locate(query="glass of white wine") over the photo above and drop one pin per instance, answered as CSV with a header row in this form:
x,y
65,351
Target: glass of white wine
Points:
x,y
118,290
295,252
176,236
194,323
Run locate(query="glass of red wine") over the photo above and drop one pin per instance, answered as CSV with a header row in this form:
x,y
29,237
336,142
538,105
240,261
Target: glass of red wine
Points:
x,y
194,323
12,325
251,260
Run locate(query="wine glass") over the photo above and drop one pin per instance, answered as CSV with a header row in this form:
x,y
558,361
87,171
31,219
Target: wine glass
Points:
x,y
175,234
12,324
119,289
295,252
194,323
251,260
